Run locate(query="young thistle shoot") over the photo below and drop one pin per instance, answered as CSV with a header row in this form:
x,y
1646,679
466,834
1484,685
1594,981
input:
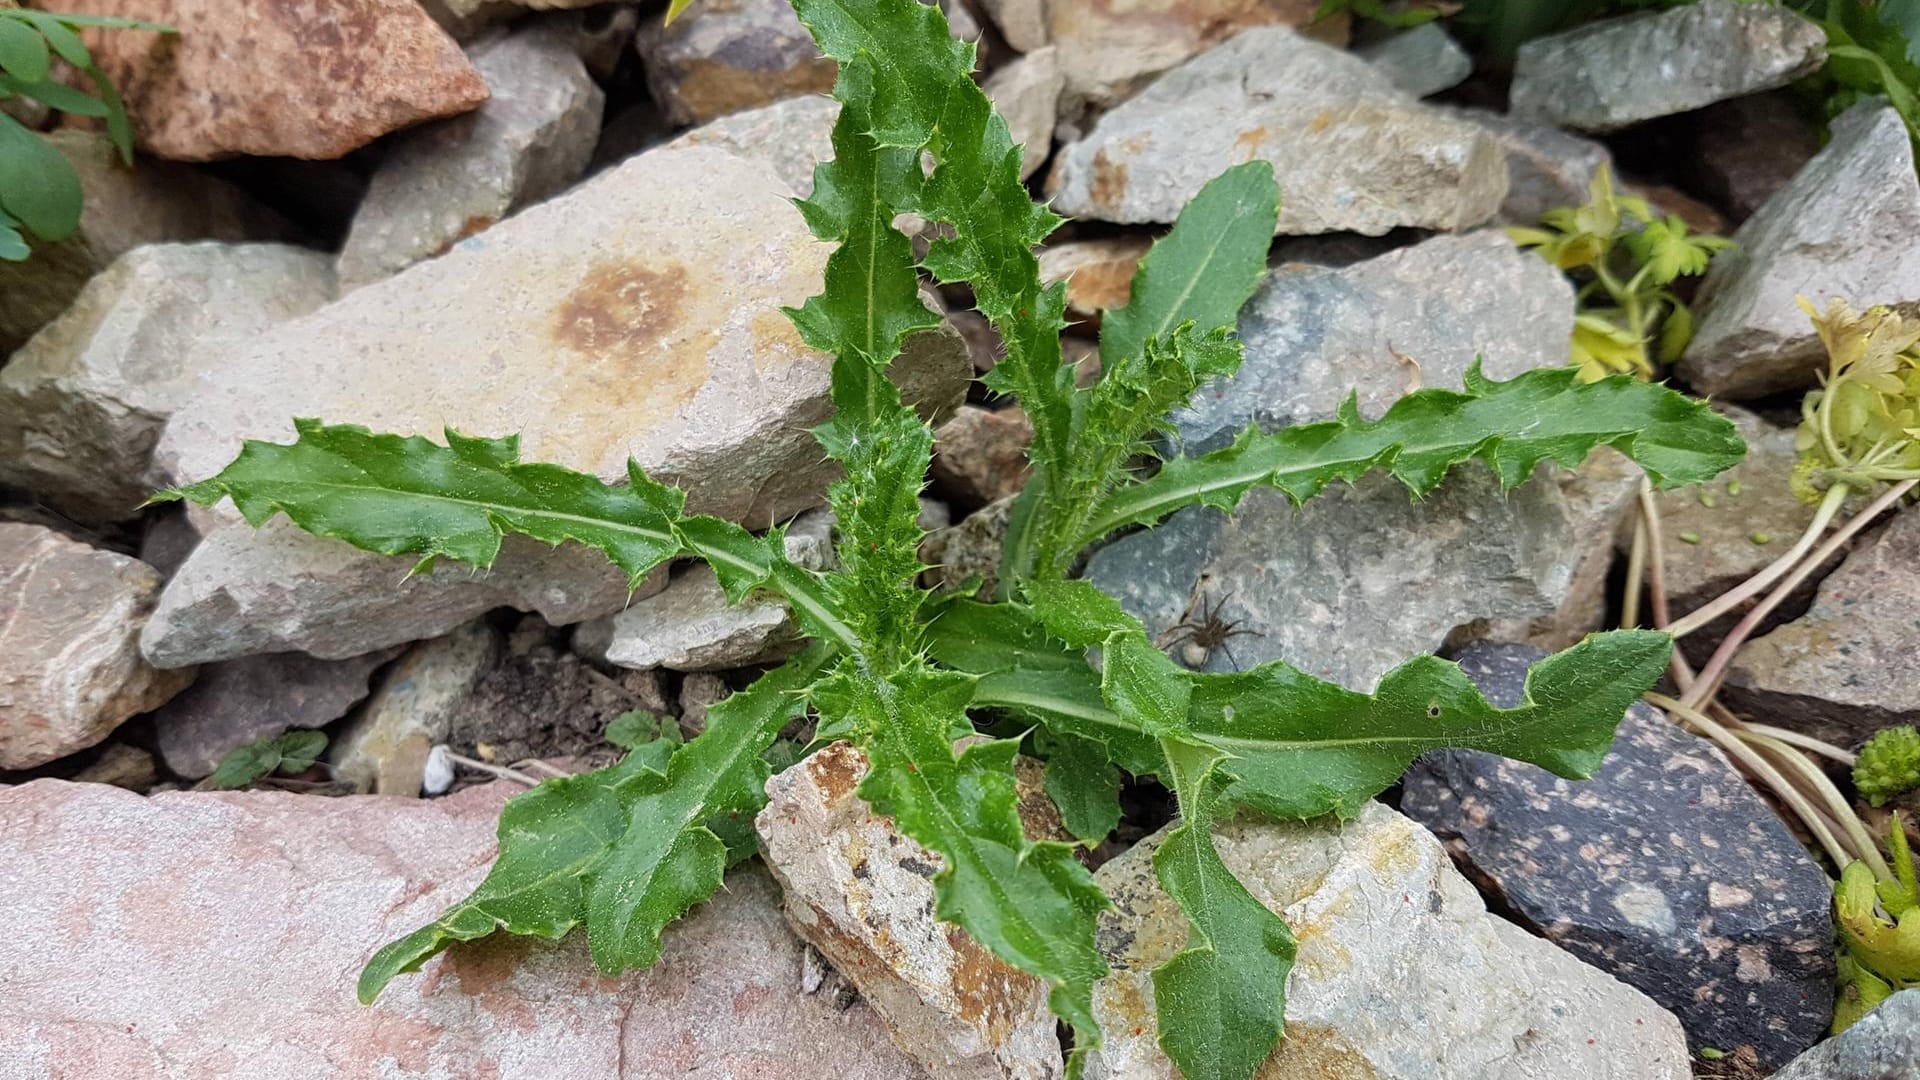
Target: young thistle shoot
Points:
x,y
902,674
1626,259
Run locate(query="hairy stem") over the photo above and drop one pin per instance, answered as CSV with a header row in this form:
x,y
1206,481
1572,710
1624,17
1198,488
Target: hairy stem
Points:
x,y
1734,597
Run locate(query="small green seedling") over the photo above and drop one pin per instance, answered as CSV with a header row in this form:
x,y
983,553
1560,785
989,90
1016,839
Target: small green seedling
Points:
x,y
289,755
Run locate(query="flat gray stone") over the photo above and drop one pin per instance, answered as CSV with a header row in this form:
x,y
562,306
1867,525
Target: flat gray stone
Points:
x,y
150,203
1608,74
1665,869
83,402
451,179
1845,669
278,899
1360,578
1546,168
619,320
1884,1045
1402,974
792,136
1841,228
257,697
1351,151
724,57
1314,334
1421,61
70,664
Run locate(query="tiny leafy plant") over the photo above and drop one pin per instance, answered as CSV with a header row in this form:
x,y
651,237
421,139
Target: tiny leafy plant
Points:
x,y
289,755
1888,765
1879,921
39,191
1626,259
904,673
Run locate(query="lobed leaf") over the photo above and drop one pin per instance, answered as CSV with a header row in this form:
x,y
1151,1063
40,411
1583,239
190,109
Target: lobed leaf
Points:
x,y
407,495
666,858
1221,1000
1545,414
1297,746
623,850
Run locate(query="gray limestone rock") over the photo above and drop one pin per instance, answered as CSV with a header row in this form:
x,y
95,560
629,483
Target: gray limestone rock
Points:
x,y
1421,61
1546,168
792,136
418,697
1609,74
861,893
729,55
1027,93
1402,974
454,178
1351,151
1846,668
1315,334
1361,577
1665,869
83,402
1108,50
1842,227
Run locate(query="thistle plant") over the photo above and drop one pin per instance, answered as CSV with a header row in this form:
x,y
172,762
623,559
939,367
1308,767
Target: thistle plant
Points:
x,y
1626,259
39,191
903,673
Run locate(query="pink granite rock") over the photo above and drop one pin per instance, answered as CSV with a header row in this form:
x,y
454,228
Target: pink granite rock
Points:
x,y
198,935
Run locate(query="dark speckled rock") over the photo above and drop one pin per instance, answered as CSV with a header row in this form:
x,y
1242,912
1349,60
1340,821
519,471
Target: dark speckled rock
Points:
x,y
1665,870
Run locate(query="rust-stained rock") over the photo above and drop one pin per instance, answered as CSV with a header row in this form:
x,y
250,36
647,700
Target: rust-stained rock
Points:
x,y
863,895
195,935
70,666
981,454
1098,273
622,319
278,78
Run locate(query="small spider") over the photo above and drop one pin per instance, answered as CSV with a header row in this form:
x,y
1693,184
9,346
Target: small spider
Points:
x,y
1198,637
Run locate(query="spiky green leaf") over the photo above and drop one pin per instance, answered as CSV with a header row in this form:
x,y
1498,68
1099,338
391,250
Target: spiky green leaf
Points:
x,y
549,837
1083,784
1545,414
667,858
1174,334
1221,1000
622,850
407,495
